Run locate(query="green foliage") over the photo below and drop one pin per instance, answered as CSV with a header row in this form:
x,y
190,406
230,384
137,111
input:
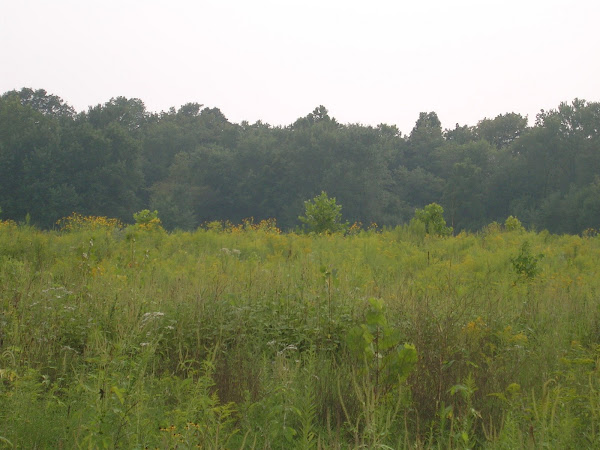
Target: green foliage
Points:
x,y
145,216
147,220
195,166
383,366
525,263
513,224
323,215
425,137
379,346
463,427
503,130
240,336
432,216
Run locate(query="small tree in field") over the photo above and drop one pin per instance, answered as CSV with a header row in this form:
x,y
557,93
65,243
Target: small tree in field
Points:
x,y
513,224
147,220
322,215
432,216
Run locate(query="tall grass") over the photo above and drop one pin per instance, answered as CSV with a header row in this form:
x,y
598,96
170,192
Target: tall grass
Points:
x,y
237,337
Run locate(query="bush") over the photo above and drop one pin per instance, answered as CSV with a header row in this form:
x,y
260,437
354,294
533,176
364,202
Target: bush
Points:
x,y
513,224
147,220
323,215
526,264
432,216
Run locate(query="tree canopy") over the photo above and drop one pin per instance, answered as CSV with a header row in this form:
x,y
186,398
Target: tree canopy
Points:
x,y
194,166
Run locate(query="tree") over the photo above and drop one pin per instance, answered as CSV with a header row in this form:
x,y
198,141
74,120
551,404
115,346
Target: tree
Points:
x,y
319,115
432,216
30,148
41,101
147,220
129,113
461,134
424,138
411,188
323,215
503,130
513,224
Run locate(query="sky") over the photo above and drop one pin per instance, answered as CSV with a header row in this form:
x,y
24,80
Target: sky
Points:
x,y
367,62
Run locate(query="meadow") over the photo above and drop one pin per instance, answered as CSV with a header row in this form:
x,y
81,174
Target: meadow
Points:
x,y
241,336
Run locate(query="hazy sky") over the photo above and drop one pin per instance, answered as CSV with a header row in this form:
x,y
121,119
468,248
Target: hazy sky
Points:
x,y
369,62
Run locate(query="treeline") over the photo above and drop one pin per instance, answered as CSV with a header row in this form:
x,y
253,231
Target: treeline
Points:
x,y
194,166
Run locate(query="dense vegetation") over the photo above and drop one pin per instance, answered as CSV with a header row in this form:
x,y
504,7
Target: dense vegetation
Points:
x,y
334,334
194,166
246,337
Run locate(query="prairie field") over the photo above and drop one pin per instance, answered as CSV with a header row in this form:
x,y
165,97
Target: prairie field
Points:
x,y
241,336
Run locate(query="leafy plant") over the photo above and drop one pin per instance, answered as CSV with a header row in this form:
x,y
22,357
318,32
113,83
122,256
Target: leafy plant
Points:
x,y
384,363
147,220
323,215
432,216
378,345
145,216
525,263
466,417
513,224
104,338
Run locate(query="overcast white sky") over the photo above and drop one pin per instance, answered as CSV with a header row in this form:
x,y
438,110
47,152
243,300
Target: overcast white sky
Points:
x,y
369,62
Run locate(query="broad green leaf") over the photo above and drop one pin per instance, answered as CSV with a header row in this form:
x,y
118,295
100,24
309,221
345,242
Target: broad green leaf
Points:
x,y
355,340
376,303
375,318
390,340
119,393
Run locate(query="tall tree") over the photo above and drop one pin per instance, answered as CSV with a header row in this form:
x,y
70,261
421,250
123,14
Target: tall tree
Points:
x,y
45,103
424,138
461,134
131,113
503,130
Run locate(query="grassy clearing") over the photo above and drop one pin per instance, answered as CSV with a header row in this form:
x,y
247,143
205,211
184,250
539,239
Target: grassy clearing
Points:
x,y
239,337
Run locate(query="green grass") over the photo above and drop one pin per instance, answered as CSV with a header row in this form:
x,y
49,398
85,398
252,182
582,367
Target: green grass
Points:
x,y
237,338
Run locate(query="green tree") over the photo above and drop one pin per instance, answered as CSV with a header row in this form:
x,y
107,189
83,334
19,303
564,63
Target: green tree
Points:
x,y
503,130
45,103
424,138
131,113
411,188
433,218
513,224
145,216
181,195
322,215
30,153
319,115
464,195
461,134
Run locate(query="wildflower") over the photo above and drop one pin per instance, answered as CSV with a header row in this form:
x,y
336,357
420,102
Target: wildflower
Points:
x,y
79,222
149,316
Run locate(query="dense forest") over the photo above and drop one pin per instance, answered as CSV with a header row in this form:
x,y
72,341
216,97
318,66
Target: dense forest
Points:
x,y
194,166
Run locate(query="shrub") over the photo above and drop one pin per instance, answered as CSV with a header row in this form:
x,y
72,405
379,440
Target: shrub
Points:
x,y
432,216
323,215
147,220
526,263
513,224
